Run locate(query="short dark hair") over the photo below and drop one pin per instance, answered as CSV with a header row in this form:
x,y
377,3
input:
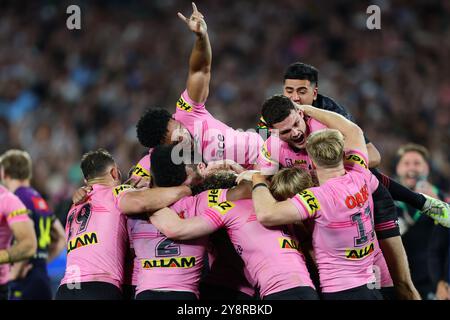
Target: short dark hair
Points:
x,y
94,163
152,127
276,109
302,71
165,173
413,147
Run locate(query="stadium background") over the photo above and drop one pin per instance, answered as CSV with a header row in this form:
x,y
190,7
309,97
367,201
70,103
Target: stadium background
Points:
x,y
65,92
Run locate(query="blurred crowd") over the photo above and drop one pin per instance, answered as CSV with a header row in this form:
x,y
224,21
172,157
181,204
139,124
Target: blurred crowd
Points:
x,y
64,92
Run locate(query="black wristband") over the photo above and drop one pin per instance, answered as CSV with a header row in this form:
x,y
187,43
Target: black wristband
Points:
x,y
262,184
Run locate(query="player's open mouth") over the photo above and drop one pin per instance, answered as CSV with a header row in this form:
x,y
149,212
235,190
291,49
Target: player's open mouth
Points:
x,y
300,139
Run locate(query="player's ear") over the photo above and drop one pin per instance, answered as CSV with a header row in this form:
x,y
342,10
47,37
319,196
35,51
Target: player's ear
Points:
x,y
316,91
201,168
114,172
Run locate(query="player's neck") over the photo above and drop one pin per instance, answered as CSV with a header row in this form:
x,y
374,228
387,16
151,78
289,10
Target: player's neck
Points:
x,y
104,181
325,174
14,184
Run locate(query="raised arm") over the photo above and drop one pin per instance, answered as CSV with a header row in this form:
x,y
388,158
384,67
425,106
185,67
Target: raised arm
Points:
x,y
172,226
354,136
201,56
150,200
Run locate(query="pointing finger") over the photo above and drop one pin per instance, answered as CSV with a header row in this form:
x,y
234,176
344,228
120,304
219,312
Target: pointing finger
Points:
x,y
182,17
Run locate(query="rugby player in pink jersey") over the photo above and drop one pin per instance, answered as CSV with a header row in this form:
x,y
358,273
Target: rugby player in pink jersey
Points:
x,y
279,272
168,269
96,231
29,278
225,279
301,85
191,123
343,189
14,222
272,260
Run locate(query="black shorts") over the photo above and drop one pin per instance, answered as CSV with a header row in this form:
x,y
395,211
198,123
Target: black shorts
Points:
x,y
165,295
297,293
89,291
358,293
215,292
35,286
3,291
128,292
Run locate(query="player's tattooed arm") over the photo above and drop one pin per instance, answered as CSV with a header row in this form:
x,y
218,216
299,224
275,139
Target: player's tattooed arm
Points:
x,y
25,243
201,56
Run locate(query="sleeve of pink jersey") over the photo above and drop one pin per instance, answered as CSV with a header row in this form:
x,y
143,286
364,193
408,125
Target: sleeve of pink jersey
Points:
x,y
213,218
197,106
355,160
14,209
301,208
142,169
118,197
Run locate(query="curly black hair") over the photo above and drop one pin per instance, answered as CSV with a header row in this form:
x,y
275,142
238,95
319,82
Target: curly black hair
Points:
x,y
152,127
165,173
276,109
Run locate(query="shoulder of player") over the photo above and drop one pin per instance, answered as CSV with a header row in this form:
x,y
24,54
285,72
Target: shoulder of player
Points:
x,y
311,198
355,157
116,191
225,207
186,104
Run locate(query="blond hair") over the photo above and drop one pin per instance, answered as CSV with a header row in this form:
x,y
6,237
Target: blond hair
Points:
x,y
326,147
17,164
289,181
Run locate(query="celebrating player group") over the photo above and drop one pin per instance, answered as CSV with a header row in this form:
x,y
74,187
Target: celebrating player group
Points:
x,y
294,210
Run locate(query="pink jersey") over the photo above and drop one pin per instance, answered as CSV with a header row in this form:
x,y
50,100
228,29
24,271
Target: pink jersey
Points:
x,y
271,255
275,152
166,264
96,238
12,210
142,169
214,139
131,263
381,271
344,238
